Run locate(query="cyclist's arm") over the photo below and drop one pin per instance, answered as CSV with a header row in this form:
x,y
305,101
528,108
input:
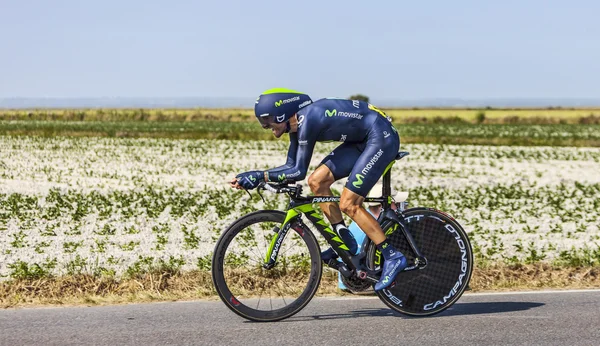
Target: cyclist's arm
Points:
x,y
303,155
291,155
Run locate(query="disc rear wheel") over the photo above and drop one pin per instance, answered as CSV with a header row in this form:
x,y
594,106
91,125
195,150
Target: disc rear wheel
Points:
x,y
440,283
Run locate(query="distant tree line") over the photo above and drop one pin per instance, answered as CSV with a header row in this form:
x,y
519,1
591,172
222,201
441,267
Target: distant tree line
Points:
x,y
359,97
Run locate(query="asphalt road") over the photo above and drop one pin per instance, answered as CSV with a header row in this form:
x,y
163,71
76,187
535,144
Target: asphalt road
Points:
x,y
550,318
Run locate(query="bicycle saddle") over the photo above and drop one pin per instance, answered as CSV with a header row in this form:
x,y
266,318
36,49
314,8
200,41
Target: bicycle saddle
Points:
x,y
401,154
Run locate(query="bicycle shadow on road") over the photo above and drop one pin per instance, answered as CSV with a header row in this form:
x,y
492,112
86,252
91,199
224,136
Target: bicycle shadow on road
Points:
x,y
351,314
477,308
456,310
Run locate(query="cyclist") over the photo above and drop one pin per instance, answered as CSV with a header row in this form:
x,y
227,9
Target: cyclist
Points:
x,y
369,144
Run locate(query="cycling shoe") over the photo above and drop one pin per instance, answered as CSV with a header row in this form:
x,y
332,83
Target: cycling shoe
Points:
x,y
348,239
391,268
328,255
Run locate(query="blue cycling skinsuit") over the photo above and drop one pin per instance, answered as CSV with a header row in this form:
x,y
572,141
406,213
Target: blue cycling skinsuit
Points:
x,y
369,143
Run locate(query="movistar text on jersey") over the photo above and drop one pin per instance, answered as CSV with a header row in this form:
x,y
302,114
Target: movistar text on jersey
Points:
x,y
372,162
350,115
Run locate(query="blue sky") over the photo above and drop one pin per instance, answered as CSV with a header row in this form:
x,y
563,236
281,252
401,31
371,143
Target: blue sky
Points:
x,y
385,49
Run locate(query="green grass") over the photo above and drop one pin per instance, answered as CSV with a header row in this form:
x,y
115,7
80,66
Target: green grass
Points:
x,y
400,115
530,127
435,133
497,116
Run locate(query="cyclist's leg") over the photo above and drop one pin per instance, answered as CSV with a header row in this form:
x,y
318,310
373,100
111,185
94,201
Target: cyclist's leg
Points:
x,y
333,167
337,165
359,235
379,152
381,149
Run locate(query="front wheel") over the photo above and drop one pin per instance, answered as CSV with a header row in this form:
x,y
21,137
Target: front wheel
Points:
x,y
253,291
438,285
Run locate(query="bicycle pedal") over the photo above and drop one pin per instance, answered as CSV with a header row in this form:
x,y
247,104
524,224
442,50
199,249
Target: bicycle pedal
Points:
x,y
333,263
345,271
341,267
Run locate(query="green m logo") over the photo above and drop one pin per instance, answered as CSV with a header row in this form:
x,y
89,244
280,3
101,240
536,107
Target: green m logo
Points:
x,y
278,103
281,177
329,113
358,183
252,179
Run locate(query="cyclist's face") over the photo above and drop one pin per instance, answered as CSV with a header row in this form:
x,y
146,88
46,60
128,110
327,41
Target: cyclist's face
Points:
x,y
278,129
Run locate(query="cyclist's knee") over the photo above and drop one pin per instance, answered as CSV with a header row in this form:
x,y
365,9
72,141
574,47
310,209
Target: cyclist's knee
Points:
x,y
349,208
317,182
314,183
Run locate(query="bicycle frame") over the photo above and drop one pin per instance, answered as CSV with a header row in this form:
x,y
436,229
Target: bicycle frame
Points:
x,y
388,220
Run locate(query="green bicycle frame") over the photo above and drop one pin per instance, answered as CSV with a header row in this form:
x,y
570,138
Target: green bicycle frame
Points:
x,y
388,220
306,207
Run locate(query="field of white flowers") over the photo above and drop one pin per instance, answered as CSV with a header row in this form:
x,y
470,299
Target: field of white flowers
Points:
x,y
122,206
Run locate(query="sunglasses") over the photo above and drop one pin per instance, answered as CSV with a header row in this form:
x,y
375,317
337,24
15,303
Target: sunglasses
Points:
x,y
266,121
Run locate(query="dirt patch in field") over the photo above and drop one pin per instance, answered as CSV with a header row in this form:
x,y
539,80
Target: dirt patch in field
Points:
x,y
87,290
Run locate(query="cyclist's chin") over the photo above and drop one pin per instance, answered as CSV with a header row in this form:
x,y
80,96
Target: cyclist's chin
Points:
x,y
278,133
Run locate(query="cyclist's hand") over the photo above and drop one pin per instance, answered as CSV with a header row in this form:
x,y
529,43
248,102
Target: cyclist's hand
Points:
x,y
249,180
234,184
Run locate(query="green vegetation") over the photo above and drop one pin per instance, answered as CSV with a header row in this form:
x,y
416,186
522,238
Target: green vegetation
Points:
x,y
553,127
359,97
400,115
90,213
435,133
94,205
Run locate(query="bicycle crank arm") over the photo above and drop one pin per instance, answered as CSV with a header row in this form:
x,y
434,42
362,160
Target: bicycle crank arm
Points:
x,y
363,275
419,264
340,266
372,276
410,268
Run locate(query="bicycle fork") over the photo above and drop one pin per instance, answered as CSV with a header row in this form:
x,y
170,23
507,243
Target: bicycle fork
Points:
x,y
292,221
276,241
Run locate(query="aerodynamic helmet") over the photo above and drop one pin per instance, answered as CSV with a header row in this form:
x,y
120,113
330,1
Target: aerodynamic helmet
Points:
x,y
279,105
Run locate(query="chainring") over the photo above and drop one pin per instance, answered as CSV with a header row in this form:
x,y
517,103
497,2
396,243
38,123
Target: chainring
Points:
x,y
354,284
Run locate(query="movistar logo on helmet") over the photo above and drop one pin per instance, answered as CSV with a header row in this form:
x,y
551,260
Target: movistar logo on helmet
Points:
x,y
335,113
286,101
304,104
358,183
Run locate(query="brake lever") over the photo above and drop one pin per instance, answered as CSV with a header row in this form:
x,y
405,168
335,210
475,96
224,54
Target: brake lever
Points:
x,y
260,194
